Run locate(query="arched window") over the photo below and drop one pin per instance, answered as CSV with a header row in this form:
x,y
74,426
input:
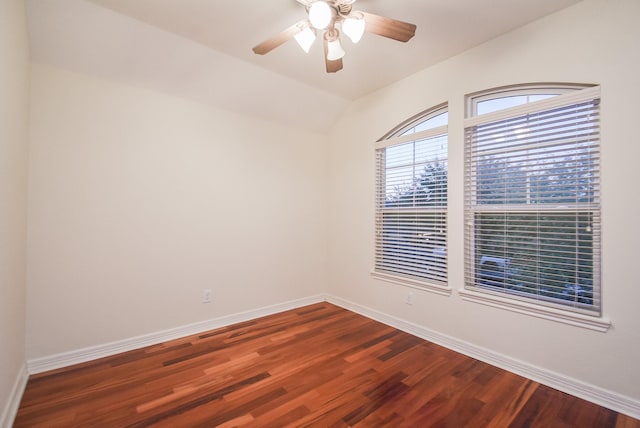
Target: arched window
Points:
x,y
411,202
532,195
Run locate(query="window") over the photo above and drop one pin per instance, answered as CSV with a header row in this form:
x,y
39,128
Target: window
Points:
x,y
411,203
532,196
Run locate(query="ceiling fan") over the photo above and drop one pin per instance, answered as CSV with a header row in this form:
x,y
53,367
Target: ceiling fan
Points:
x,y
331,18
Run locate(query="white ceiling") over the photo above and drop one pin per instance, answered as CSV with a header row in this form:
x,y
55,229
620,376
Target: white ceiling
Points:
x,y
201,49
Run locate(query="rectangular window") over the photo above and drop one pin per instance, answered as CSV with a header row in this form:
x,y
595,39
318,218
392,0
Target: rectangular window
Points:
x,y
411,207
532,202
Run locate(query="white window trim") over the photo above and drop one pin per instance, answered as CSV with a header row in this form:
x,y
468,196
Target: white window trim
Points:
x,y
395,138
517,90
428,133
443,290
566,316
535,106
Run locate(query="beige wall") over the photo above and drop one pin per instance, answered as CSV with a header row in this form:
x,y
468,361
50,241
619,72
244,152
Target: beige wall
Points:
x,y
595,41
139,201
14,86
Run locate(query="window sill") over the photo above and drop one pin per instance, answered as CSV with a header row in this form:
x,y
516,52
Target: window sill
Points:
x,y
548,313
420,285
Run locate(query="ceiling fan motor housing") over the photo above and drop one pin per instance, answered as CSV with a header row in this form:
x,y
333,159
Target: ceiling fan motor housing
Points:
x,y
342,7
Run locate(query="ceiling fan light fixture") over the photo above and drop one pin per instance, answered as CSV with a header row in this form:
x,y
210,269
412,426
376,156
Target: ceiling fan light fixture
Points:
x,y
334,50
353,27
305,38
327,19
320,14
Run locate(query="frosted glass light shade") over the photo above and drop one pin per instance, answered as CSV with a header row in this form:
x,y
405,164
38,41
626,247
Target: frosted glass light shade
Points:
x,y
334,50
320,14
305,38
353,28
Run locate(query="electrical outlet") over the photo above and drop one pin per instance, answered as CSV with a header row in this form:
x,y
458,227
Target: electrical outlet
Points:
x,y
206,295
409,300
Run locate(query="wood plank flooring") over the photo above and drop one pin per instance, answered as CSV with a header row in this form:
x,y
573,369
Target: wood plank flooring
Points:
x,y
317,366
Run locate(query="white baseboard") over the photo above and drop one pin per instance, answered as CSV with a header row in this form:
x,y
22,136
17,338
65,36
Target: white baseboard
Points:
x,y
15,396
39,365
563,383
592,393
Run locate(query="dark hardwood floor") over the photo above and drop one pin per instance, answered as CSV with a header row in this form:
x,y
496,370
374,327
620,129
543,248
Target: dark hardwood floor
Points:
x,y
319,366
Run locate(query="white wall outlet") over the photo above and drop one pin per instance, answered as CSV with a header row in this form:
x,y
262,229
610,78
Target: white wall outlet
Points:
x,y
409,299
206,295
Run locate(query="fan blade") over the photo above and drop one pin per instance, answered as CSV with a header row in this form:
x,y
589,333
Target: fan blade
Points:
x,y
277,40
387,27
332,66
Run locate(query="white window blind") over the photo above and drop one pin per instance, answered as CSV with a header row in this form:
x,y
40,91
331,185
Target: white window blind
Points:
x,y
532,202
411,204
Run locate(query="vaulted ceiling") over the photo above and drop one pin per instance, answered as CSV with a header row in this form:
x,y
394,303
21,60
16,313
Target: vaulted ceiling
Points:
x,y
201,49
